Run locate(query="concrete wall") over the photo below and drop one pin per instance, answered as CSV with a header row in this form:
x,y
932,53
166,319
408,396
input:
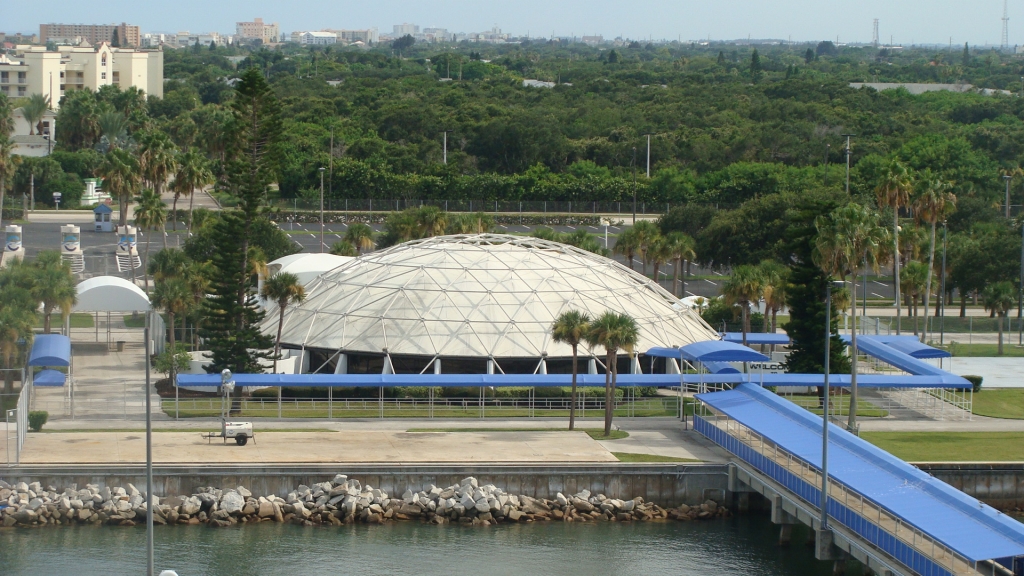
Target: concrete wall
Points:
x,y
998,485
664,484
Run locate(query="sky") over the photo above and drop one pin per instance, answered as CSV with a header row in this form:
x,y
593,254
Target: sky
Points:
x,y
906,21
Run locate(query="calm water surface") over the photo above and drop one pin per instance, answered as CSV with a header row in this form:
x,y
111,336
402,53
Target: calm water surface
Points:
x,y
740,545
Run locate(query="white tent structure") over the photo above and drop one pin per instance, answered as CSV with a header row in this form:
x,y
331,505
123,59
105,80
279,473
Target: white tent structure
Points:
x,y
484,297
111,294
307,266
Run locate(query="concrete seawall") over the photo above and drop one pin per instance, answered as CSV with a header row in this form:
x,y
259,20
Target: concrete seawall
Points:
x,y
997,484
664,484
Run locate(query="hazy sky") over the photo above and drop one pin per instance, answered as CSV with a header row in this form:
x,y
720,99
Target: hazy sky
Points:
x,y
908,21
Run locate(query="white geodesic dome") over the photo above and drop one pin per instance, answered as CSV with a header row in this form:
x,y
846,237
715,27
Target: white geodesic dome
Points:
x,y
476,296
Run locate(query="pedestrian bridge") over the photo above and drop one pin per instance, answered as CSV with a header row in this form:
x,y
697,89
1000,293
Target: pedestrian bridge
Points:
x,y
882,510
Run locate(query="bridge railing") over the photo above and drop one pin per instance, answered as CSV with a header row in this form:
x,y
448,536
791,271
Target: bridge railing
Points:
x,y
849,499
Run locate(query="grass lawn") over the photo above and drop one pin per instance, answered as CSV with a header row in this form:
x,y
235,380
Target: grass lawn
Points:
x,y
629,457
136,322
595,433
1000,403
864,408
951,446
985,350
77,321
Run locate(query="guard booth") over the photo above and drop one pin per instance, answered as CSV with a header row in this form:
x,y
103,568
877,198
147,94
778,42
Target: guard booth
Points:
x,y
101,217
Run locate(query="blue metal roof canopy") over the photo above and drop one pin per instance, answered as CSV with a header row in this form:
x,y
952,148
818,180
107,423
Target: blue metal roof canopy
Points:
x,y
49,378
757,338
890,355
910,346
50,350
710,351
968,526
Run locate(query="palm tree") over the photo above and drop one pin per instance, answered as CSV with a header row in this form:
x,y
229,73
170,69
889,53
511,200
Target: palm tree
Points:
x,y
157,159
658,252
174,295
34,110
571,328
7,157
468,223
150,214
999,298
343,248
894,191
913,278
193,171
120,173
54,285
360,236
432,221
113,128
848,237
17,318
646,233
744,287
775,276
626,245
932,203
614,332
681,248
168,263
283,289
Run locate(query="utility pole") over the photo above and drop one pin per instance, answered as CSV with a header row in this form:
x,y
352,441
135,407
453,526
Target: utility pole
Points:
x,y
942,299
634,185
1020,292
330,161
874,36
823,520
321,209
1005,42
848,153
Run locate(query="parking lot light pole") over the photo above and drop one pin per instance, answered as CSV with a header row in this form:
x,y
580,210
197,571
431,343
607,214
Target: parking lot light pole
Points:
x,y
321,209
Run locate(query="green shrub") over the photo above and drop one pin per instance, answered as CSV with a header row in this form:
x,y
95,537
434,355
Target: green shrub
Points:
x,y
36,420
976,381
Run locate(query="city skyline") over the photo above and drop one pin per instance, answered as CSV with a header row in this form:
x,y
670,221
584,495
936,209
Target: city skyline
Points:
x,y
907,23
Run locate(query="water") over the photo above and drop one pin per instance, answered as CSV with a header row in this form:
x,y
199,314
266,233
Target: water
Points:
x,y
735,546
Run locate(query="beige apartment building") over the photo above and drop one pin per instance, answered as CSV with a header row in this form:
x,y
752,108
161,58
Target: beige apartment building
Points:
x,y
35,70
127,34
257,30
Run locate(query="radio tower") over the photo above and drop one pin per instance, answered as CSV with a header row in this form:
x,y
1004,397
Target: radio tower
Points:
x,y
1006,21
874,35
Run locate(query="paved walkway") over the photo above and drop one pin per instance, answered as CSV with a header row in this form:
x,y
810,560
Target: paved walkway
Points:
x,y
315,447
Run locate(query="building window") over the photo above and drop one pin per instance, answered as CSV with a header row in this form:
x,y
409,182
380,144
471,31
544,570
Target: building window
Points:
x,y
21,77
103,75
104,60
21,90
3,76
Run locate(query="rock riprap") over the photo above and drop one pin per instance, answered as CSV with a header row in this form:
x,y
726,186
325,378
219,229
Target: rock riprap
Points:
x,y
340,501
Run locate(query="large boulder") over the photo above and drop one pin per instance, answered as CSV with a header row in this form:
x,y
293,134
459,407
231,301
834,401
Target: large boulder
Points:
x,y
232,502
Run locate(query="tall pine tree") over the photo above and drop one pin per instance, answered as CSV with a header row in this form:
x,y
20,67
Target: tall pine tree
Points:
x,y
231,329
806,297
755,67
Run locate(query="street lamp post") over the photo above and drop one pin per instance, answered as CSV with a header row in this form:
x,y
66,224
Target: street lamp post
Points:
x,y
1007,178
823,520
942,297
149,459
445,157
321,209
634,185
1020,291
648,134
849,152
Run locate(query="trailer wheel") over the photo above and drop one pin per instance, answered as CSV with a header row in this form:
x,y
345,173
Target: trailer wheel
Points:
x,y
241,440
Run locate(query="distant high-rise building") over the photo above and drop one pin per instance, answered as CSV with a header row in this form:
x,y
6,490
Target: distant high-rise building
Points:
x,y
126,34
257,30
403,29
367,36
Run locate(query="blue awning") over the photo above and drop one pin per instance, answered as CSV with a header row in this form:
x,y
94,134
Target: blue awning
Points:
x,y
720,368
872,346
757,338
49,378
50,350
720,351
971,528
910,346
